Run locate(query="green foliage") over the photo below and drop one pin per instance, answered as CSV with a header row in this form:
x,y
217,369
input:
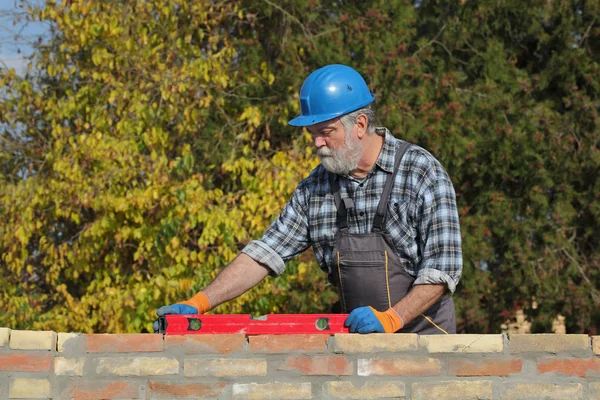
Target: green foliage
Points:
x,y
149,143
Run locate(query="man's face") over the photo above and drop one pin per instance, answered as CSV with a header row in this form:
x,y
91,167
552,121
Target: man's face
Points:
x,y
339,151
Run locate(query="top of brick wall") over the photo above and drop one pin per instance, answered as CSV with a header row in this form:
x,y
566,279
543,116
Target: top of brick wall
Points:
x,y
49,365
577,345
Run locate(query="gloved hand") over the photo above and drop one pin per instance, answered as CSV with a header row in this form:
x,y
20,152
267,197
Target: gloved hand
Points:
x,y
199,304
368,319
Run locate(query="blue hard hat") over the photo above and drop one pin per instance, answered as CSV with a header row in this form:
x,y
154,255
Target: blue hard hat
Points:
x,y
331,92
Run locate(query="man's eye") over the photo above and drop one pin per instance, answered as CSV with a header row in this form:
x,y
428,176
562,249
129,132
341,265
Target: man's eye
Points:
x,y
320,134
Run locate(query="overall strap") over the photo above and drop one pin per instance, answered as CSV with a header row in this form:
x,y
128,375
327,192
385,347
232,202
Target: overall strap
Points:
x,y
342,205
387,190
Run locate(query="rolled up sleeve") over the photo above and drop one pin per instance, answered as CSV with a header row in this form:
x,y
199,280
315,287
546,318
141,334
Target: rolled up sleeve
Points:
x,y
285,238
264,254
439,232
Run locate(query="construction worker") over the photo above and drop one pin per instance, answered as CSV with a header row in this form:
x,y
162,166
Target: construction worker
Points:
x,y
380,214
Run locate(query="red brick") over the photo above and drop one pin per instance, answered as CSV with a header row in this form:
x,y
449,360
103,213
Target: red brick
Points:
x,y
287,343
19,362
124,343
206,344
168,390
104,390
569,367
497,367
399,367
320,365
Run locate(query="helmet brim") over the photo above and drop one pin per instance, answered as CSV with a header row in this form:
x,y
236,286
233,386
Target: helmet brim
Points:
x,y
308,120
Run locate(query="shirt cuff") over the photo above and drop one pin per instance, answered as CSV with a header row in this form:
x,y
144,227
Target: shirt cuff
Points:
x,y
435,276
264,254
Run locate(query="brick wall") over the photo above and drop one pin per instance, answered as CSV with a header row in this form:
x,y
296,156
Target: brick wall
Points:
x,y
42,365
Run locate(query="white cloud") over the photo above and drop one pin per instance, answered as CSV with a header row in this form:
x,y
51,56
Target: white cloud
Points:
x,y
18,63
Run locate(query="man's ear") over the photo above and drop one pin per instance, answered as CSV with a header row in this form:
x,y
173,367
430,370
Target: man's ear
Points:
x,y
361,125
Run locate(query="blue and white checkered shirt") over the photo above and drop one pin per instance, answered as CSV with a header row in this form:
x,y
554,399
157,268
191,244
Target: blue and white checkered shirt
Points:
x,y
421,223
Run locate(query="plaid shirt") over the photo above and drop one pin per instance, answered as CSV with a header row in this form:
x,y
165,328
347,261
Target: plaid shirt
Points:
x,y
421,222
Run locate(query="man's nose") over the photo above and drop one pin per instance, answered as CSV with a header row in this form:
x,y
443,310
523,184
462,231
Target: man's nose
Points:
x,y
319,142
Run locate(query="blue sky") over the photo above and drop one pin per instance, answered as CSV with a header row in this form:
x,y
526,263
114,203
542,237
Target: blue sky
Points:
x,y
13,49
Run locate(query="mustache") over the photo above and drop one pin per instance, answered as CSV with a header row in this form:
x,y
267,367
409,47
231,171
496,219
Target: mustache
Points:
x,y
324,151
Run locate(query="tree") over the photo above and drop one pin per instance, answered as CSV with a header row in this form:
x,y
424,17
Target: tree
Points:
x,y
153,144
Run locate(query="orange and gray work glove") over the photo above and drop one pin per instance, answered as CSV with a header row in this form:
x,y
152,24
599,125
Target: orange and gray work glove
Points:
x,y
199,304
368,320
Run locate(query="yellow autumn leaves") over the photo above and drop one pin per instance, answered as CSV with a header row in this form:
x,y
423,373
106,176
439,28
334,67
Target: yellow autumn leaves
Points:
x,y
136,175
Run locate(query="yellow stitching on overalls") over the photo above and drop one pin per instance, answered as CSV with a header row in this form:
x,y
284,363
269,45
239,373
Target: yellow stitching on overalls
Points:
x,y
433,323
387,282
341,283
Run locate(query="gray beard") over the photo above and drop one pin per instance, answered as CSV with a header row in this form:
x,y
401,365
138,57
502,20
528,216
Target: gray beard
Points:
x,y
341,161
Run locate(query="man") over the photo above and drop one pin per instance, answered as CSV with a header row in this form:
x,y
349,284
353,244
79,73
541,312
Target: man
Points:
x,y
379,213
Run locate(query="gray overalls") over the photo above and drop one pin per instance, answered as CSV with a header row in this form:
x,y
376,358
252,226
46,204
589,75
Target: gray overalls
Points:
x,y
367,271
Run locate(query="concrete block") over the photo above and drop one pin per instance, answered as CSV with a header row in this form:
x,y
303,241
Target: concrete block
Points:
x,y
549,343
69,366
368,390
595,344
272,390
452,390
219,367
137,366
4,336
594,391
63,338
32,340
375,343
543,390
25,388
462,343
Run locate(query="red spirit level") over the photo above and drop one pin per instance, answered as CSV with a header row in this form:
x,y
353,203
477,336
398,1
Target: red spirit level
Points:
x,y
174,324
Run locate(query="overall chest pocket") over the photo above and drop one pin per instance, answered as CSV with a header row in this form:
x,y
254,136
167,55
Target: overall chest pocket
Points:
x,y
363,259
399,232
362,278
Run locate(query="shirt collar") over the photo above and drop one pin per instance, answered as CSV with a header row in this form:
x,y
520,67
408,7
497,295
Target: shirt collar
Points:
x,y
385,161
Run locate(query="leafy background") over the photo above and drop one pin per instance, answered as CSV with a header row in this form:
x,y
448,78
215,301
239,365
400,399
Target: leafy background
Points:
x,y
148,143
